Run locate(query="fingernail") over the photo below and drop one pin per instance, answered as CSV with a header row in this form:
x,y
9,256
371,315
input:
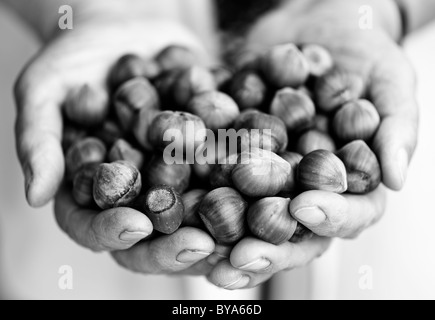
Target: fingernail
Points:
x,y
310,215
187,256
133,235
257,265
403,161
238,284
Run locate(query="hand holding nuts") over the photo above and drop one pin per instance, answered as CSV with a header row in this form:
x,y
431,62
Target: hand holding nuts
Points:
x,y
161,109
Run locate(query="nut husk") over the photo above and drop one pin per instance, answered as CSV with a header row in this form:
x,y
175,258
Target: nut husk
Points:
x,y
133,96
322,170
191,201
123,151
260,173
164,207
363,169
285,66
248,90
356,120
88,150
223,212
269,219
336,88
295,108
86,106
222,77
313,140
131,66
216,109
116,184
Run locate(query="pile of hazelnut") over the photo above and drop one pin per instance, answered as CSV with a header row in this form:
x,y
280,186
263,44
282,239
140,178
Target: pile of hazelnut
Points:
x,y
306,128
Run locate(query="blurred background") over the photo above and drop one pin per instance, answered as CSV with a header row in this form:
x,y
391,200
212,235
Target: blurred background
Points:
x,y
393,260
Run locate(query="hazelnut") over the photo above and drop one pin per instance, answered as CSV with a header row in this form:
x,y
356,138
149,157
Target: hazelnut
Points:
x,y
260,173
293,159
72,134
133,96
88,150
295,108
285,66
223,213
158,172
116,184
248,90
191,201
363,169
141,127
123,151
315,140
83,185
164,85
269,219
301,234
164,207
356,120
321,123
191,131
202,171
255,120
221,174
216,109
222,77
319,59
175,57
336,88
322,170
191,82
86,106
131,66
109,132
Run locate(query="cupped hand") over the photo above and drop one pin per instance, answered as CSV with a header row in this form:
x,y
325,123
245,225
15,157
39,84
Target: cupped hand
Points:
x,y
70,60
376,57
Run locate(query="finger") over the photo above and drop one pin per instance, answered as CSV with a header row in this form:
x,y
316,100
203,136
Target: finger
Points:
x,y
333,215
38,132
167,254
225,276
257,256
204,267
392,89
114,229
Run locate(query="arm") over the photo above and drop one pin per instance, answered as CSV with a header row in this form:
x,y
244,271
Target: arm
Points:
x,y
417,13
